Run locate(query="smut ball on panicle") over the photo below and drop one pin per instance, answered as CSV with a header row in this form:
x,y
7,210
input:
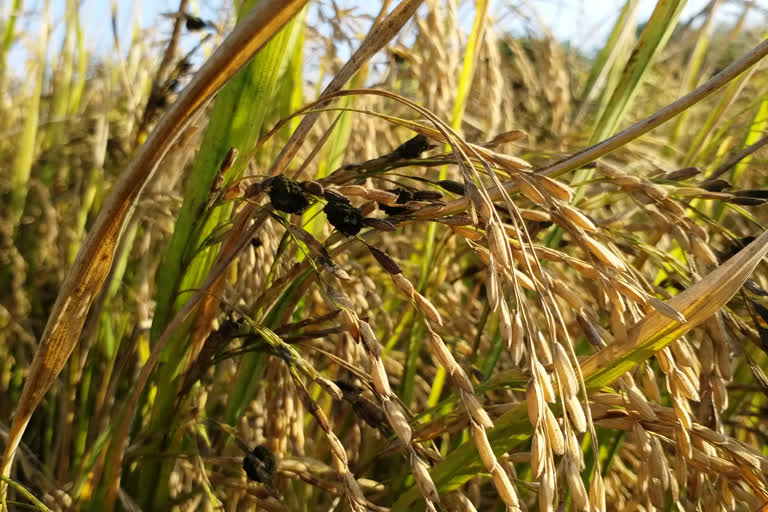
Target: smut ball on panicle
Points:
x,y
403,196
287,195
259,464
343,216
194,23
412,148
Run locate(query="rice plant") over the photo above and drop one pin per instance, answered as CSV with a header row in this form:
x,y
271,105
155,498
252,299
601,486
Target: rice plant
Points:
x,y
288,255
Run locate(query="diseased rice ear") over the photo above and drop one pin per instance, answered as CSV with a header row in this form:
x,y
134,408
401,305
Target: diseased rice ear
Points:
x,y
260,464
287,195
344,217
412,148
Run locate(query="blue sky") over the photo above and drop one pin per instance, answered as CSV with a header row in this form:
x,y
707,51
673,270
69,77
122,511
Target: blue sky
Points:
x,y
585,23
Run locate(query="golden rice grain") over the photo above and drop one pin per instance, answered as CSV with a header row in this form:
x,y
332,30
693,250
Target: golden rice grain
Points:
x,y
426,211
576,413
576,486
665,309
460,379
615,299
429,310
582,267
706,355
535,215
353,488
628,181
603,253
673,208
506,328
380,196
542,347
349,320
530,191
682,384
597,493
538,452
695,229
497,244
684,446
564,371
367,208
658,464
492,290
510,162
556,188
543,382
476,410
554,434
723,352
567,293
423,479
380,379
719,392
656,493
703,251
337,448
578,218
483,446
397,420
507,493
516,343
618,324
657,192
441,353
681,236
523,280
547,488
640,404
681,469
683,354
745,454
351,190
573,449
403,284
506,137
534,402
629,291
728,499
664,357
648,381
681,411
367,334
478,200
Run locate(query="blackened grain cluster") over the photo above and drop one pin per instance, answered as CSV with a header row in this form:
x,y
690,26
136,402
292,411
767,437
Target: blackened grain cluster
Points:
x,y
412,148
403,196
287,195
342,215
259,464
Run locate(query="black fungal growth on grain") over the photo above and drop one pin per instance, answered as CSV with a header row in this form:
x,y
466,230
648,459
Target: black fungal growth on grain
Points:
x,y
403,196
259,464
412,148
194,23
343,216
287,195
